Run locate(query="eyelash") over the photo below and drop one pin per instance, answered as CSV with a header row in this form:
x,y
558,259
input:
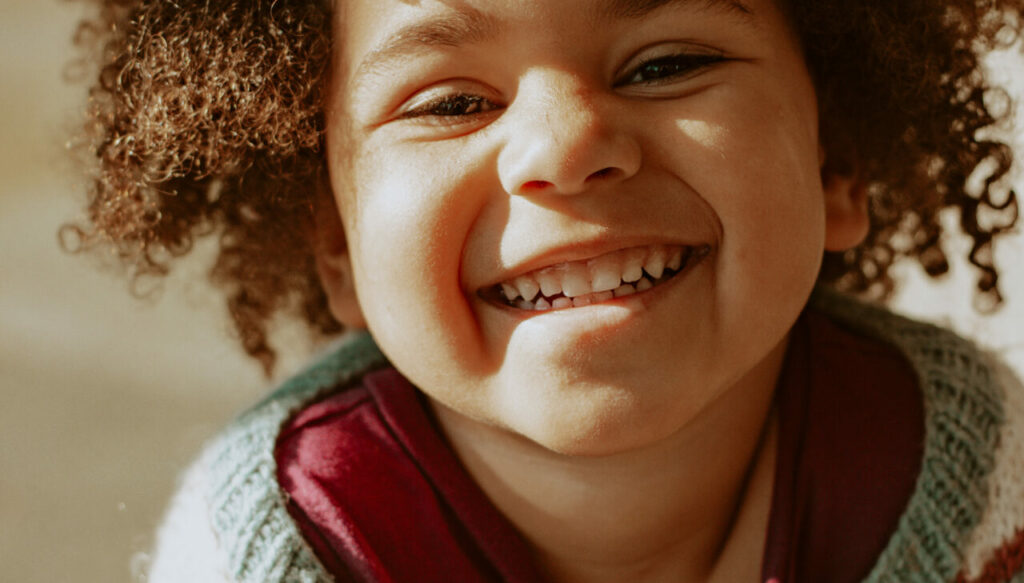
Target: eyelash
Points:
x,y
461,105
448,106
680,66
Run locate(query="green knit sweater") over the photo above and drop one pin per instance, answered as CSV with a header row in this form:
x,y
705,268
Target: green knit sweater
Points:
x,y
964,520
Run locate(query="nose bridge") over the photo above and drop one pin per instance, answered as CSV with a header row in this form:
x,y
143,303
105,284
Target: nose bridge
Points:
x,y
573,107
563,138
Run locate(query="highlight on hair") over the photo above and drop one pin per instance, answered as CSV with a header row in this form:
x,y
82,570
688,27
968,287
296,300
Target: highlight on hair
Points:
x,y
206,120
904,105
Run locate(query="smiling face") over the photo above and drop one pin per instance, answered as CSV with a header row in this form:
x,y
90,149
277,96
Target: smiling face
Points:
x,y
493,159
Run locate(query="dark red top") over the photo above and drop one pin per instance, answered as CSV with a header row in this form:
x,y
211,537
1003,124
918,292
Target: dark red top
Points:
x,y
380,496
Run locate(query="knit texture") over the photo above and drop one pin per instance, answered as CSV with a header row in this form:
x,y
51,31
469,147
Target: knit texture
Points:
x,y
959,524
963,414
248,508
996,547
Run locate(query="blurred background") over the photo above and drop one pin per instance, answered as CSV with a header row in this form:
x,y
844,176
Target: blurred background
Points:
x,y
104,398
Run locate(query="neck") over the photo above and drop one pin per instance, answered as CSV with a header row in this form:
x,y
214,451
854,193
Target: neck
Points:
x,y
691,507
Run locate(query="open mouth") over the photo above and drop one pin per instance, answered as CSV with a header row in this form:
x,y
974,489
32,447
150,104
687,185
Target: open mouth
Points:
x,y
582,283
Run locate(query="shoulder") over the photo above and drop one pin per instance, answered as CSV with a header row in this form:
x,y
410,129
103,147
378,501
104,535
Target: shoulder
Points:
x,y
965,519
186,546
995,548
228,520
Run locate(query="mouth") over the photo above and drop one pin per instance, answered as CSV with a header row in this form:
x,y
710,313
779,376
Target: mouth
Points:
x,y
582,283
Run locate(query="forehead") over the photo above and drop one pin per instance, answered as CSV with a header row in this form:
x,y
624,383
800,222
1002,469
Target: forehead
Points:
x,y
377,31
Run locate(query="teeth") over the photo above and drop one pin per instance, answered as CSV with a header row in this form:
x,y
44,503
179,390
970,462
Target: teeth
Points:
x,y
527,287
582,301
624,290
633,269
575,281
550,282
562,302
675,259
604,275
613,275
655,264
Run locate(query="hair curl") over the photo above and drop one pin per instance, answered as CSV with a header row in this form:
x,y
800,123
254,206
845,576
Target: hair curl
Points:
x,y
206,119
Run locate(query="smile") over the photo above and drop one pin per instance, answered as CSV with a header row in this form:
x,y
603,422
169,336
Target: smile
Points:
x,y
582,283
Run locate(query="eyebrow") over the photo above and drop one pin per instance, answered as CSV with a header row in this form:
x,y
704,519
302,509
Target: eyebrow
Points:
x,y
468,26
641,8
454,29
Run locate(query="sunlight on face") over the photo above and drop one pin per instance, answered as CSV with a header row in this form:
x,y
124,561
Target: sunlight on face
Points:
x,y
493,147
701,132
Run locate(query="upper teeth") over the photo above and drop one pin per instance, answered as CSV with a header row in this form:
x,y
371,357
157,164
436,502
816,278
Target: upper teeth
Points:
x,y
606,273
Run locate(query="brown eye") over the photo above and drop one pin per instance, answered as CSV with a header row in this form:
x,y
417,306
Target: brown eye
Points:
x,y
669,68
453,105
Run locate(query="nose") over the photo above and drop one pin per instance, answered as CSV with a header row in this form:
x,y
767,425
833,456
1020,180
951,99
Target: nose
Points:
x,y
564,139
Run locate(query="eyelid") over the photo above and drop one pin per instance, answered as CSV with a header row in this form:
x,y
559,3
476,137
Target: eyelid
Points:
x,y
438,91
441,120
663,50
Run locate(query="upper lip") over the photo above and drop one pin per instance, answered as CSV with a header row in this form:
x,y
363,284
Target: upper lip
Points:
x,y
579,251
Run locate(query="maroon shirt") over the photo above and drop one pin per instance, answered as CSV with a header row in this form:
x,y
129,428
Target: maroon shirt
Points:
x,y
851,441
380,496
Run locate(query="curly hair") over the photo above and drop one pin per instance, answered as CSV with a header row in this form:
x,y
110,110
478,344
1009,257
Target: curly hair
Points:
x,y
206,119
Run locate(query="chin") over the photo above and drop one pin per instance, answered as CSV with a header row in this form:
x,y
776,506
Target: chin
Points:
x,y
594,422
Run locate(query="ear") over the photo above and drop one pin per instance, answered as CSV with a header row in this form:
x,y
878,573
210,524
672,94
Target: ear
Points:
x,y
332,262
846,207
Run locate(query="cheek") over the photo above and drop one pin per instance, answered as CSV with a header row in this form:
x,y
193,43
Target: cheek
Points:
x,y
767,187
406,221
753,157
774,235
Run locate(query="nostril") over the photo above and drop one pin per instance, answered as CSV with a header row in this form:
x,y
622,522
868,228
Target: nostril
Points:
x,y
602,173
534,185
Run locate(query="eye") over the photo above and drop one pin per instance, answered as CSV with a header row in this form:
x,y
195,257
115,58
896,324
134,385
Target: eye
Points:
x,y
668,68
452,105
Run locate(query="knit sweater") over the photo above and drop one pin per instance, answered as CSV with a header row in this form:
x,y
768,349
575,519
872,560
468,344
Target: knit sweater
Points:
x,y
964,522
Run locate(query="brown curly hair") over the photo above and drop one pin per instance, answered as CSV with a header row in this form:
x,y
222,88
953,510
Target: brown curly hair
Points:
x,y
206,119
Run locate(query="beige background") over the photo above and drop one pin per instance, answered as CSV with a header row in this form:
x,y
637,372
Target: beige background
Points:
x,y
103,398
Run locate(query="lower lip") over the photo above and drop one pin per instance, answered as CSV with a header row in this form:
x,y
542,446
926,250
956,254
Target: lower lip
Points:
x,y
643,298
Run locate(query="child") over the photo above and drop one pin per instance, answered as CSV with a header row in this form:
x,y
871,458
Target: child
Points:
x,y
585,237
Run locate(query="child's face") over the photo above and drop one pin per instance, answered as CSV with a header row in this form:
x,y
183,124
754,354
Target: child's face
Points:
x,y
476,141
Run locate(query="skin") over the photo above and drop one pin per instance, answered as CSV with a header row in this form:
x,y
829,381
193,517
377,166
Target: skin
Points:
x,y
631,439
